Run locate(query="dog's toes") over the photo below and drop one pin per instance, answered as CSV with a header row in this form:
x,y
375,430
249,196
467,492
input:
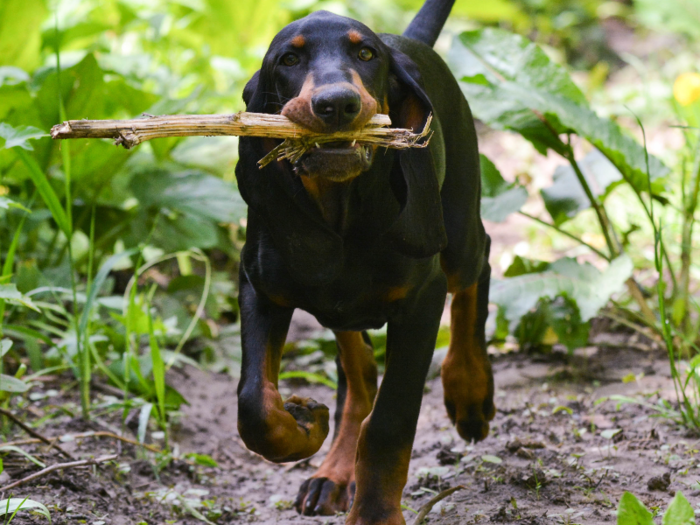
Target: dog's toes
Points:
x,y
323,497
471,420
310,415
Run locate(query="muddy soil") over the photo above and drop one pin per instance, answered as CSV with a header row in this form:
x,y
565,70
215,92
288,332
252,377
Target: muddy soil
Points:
x,y
555,453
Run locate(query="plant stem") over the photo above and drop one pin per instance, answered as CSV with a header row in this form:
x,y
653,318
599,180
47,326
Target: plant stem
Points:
x,y
567,234
605,224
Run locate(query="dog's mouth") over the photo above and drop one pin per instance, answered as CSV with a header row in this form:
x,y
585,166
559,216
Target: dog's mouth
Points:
x,y
336,161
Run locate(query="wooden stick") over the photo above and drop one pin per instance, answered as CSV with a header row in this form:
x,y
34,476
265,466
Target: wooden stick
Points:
x,y
59,466
34,433
84,435
297,140
434,501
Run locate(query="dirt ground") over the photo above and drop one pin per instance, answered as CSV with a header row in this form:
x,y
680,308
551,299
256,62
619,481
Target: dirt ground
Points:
x,y
550,456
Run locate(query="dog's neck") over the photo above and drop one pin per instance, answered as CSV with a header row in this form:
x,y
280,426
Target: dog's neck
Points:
x,y
331,198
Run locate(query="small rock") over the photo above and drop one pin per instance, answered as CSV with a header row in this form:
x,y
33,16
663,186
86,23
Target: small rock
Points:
x,y
660,482
446,456
535,480
525,453
513,446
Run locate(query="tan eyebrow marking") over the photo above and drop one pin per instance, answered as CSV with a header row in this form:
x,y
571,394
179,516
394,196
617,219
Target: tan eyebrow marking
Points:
x,y
354,36
299,41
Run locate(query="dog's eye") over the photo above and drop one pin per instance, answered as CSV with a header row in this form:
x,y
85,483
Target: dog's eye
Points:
x,y
290,59
366,54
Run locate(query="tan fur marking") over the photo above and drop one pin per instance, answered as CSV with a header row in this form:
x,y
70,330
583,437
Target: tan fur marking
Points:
x,y
299,108
299,41
339,466
466,370
354,36
369,103
395,293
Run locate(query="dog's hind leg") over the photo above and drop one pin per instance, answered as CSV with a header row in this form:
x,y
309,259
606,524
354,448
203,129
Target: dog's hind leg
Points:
x,y
332,487
277,430
466,371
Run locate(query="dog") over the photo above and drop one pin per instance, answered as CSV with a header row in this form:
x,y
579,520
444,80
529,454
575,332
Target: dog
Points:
x,y
361,237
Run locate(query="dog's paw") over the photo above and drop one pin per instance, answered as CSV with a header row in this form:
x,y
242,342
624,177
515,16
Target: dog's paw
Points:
x,y
321,496
471,419
311,416
469,401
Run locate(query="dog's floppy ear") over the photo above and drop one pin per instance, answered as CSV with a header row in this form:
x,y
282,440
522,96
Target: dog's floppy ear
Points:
x,y
419,230
250,88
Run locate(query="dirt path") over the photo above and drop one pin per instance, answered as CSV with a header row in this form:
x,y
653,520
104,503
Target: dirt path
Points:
x,y
549,458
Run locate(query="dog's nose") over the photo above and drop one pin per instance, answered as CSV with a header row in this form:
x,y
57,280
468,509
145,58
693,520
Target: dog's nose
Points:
x,y
336,106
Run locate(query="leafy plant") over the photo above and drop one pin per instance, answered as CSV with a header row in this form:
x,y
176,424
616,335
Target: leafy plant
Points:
x,y
631,511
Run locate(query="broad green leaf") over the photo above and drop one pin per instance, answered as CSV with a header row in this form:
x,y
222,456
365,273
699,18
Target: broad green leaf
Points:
x,y
12,384
631,511
192,192
10,294
565,198
19,136
531,95
521,266
498,198
582,283
679,512
497,209
564,317
20,32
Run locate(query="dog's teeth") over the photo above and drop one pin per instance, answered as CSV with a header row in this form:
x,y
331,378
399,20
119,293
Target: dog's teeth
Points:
x,y
318,146
353,143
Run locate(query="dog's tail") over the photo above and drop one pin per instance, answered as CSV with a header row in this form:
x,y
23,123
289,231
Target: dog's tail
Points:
x,y
427,24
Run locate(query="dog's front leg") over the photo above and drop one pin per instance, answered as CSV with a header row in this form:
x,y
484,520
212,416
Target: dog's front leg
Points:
x,y
386,438
277,430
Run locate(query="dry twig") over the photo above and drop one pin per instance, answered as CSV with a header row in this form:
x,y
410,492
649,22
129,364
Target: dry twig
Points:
x,y
297,140
434,501
111,435
58,466
34,433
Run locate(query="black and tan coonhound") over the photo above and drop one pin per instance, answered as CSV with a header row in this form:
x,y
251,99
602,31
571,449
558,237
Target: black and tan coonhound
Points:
x,y
360,238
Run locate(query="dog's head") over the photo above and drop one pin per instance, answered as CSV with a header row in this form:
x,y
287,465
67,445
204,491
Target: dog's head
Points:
x,y
330,73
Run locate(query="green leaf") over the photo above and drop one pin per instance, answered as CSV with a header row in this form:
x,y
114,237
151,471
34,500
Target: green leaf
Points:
x,y
521,266
46,191
97,283
679,512
158,368
565,198
18,137
531,95
491,459
192,192
202,459
498,198
12,448
20,32
6,204
564,317
582,283
633,512
12,384
9,293
5,345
